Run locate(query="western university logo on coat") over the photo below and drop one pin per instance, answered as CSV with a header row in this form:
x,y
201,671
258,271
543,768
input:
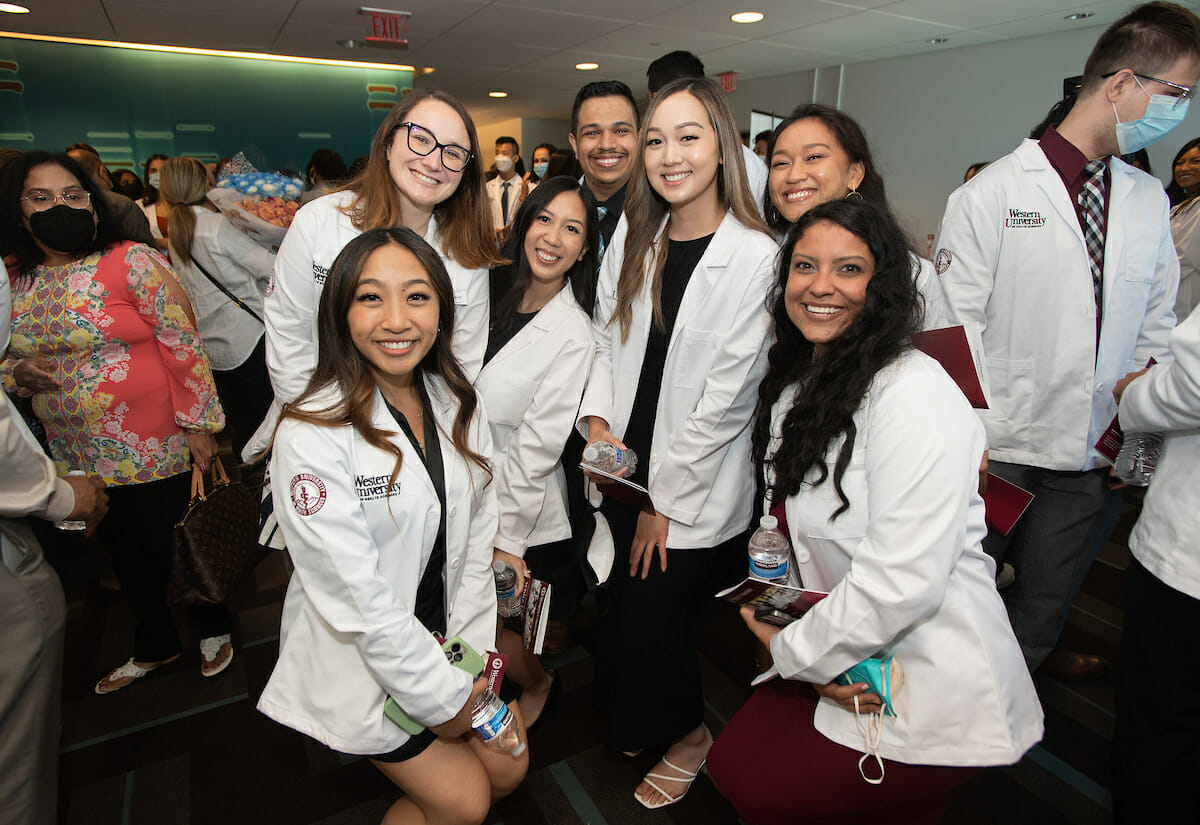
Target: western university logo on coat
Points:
x,y
308,493
1020,219
370,488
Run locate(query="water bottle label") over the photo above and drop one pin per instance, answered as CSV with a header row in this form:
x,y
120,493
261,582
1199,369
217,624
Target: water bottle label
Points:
x,y
506,594
490,728
769,571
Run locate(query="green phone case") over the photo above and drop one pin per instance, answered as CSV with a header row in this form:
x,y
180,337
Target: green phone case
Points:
x,y
458,653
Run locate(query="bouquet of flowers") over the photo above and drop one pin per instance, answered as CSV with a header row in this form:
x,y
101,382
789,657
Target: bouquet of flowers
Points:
x,y
261,204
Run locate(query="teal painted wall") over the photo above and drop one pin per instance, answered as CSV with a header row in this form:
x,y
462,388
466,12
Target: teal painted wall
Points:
x,y
130,104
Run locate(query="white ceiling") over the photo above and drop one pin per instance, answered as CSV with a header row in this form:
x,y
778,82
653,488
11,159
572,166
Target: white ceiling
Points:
x,y
530,47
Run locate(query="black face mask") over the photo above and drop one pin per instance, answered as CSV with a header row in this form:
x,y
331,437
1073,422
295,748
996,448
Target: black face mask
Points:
x,y
63,228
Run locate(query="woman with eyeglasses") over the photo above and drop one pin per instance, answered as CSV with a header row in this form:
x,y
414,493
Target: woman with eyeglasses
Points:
x,y
423,173
104,341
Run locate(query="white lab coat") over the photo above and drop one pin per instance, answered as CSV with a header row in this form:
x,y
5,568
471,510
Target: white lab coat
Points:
x,y
241,266
933,299
1185,229
1024,280
700,473
1167,400
495,188
318,233
531,390
349,637
756,176
906,574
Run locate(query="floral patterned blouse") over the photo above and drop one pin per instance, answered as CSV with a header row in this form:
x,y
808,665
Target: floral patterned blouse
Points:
x,y
133,376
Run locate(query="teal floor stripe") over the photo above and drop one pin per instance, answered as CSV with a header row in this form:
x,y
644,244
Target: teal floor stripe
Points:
x,y
1077,780
264,640
576,795
127,802
175,717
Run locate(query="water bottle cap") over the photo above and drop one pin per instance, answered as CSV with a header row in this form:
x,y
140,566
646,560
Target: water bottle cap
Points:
x,y
768,522
591,450
498,566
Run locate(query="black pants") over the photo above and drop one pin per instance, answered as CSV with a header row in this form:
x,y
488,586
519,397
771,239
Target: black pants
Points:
x,y
137,534
246,395
1156,742
647,669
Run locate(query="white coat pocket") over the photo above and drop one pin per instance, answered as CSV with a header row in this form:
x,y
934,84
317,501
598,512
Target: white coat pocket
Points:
x,y
697,352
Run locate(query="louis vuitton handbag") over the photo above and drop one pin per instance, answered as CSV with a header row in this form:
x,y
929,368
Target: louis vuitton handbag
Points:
x,y
216,541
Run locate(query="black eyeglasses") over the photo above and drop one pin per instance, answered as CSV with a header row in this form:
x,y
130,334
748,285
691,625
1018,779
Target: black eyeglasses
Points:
x,y
1182,93
422,142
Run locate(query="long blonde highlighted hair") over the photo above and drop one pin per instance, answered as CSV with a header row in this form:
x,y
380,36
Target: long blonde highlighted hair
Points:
x,y
183,183
645,208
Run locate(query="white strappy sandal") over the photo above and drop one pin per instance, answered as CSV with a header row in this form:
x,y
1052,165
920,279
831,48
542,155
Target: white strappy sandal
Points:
x,y
686,777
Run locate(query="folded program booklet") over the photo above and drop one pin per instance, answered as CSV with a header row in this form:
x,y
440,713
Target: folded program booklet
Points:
x,y
778,603
634,496
537,614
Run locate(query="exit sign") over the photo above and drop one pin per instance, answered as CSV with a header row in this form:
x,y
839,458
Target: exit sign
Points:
x,y
386,26
728,81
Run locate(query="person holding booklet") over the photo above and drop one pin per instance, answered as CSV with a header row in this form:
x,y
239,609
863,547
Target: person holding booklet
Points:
x,y
681,335
874,476
535,366
385,497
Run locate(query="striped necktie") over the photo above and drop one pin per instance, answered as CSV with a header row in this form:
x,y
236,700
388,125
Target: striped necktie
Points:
x,y
601,211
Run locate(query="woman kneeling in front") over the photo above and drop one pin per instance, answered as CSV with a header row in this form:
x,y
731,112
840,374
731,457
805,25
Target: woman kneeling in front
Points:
x,y
386,503
871,458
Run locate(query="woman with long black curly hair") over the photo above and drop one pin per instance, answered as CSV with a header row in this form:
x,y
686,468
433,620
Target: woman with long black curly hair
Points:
x,y
870,455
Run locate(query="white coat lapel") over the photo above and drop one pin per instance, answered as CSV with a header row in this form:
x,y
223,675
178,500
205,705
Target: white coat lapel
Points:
x,y
443,416
1119,217
382,418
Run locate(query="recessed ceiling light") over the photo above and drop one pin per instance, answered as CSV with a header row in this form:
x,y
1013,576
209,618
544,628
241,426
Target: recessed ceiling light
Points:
x,y
747,17
587,67
13,8
1080,15
350,44
497,93
937,41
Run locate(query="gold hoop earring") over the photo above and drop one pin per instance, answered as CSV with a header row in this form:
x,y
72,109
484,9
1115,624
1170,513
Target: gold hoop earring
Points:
x,y
854,195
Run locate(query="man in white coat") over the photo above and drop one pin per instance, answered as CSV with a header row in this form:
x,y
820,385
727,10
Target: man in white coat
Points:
x,y
1156,743
1062,256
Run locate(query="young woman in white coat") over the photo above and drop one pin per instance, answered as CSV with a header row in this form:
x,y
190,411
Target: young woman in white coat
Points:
x,y
205,247
871,454
681,335
818,154
535,367
385,500
423,173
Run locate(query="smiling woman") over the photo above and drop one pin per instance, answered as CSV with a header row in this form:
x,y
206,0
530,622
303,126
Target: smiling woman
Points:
x,y
423,173
680,328
379,573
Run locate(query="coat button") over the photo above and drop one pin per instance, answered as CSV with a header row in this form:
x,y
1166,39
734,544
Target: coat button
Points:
x,y
457,563
453,511
802,556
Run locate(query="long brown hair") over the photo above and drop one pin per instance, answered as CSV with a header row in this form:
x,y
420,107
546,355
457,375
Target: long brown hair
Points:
x,y
183,183
645,208
464,219
341,365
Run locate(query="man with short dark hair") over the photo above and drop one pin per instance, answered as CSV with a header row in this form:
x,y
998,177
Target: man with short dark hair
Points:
x,y
130,217
504,190
1061,255
679,65
604,128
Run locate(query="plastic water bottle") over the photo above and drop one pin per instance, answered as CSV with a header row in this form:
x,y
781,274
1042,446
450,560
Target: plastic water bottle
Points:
x,y
72,525
508,595
769,552
1138,458
608,457
496,725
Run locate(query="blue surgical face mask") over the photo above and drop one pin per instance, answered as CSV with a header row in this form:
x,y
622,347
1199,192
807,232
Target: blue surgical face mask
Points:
x,y
1163,114
153,179
539,169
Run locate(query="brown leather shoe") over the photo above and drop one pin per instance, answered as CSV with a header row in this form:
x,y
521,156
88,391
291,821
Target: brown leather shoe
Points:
x,y
1068,666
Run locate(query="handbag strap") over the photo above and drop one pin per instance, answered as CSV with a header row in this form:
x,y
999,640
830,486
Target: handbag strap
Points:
x,y
219,478
222,287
